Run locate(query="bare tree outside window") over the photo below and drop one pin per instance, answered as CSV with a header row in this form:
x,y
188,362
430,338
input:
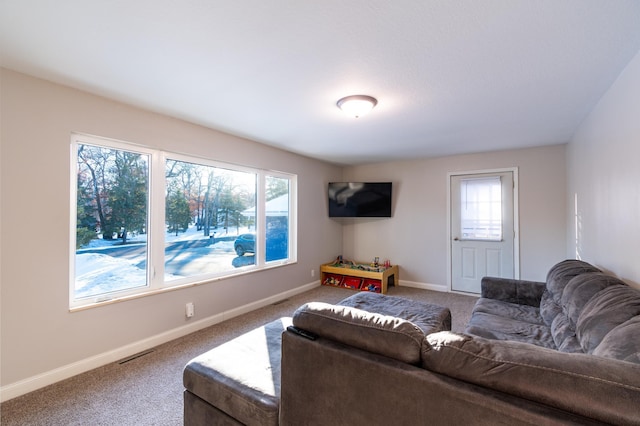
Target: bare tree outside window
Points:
x,y
112,198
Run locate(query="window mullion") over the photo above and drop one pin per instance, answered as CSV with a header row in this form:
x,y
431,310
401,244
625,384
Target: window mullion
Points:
x,y
261,223
156,233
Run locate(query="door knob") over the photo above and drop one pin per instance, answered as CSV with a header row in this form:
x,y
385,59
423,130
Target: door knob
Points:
x,y
456,239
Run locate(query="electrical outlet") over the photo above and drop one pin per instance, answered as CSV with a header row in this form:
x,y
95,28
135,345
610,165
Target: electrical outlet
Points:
x,y
190,310
313,273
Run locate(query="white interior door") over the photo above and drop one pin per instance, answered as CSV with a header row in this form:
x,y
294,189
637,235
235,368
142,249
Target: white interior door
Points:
x,y
482,228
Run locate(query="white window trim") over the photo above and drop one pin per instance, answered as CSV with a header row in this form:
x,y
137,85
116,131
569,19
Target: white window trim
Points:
x,y
156,222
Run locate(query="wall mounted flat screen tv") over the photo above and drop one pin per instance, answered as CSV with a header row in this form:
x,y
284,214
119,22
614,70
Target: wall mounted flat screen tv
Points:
x,y
359,199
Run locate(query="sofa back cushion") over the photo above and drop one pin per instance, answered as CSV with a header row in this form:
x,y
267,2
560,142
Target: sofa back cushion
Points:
x,y
605,311
578,383
557,278
623,342
382,334
552,307
580,289
575,295
564,334
561,273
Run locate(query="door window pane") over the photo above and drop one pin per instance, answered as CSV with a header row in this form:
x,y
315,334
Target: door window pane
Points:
x,y
111,227
481,208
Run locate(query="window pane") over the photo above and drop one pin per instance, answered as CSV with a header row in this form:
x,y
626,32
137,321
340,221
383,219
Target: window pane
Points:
x,y
111,242
481,209
205,221
277,218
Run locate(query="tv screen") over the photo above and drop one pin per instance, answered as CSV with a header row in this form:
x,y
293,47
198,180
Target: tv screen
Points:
x,y
359,199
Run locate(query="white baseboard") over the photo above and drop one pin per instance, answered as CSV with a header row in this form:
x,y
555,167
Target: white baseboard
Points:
x,y
424,286
41,380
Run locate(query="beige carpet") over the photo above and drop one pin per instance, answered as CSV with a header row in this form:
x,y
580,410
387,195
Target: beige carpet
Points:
x,y
148,390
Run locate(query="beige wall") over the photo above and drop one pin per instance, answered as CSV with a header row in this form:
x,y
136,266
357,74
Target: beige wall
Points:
x,y
416,236
39,335
604,181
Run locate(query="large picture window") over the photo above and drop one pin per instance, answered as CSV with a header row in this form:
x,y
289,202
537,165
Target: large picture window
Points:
x,y
148,220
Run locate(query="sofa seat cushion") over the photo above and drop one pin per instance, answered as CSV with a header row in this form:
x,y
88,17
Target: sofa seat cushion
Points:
x,y
427,316
242,377
591,386
495,319
526,313
498,327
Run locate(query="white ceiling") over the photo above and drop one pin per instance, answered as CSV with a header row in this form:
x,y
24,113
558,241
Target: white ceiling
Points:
x,y
450,76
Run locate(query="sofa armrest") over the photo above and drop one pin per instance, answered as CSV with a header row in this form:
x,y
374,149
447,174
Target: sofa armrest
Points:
x,y
510,290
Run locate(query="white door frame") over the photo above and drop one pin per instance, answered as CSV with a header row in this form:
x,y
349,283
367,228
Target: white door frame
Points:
x,y
516,221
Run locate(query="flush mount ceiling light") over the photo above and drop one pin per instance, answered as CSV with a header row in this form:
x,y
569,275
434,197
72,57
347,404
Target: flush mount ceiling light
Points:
x,y
357,105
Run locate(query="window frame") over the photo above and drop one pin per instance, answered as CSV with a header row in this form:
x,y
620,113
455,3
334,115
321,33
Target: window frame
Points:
x,y
156,227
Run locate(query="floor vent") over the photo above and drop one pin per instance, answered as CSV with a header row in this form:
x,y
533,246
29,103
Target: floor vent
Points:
x,y
135,356
279,302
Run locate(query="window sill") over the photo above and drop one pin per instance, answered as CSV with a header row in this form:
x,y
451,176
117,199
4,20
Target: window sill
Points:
x,y
118,299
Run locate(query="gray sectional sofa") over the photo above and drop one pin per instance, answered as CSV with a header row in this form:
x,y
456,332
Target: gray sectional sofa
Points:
x,y
564,351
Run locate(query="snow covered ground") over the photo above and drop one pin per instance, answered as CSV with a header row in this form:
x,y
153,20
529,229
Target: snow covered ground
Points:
x,y
99,273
